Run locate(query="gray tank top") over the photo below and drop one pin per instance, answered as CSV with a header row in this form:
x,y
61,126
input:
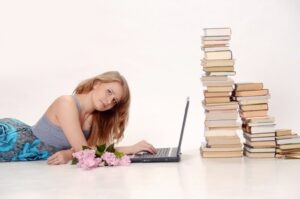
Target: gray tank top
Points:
x,y
53,135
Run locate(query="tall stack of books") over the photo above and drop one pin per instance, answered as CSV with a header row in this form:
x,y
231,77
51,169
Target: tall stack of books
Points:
x,y
220,111
287,144
258,126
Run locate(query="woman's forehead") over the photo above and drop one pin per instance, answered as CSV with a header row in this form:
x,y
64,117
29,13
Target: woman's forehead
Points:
x,y
117,88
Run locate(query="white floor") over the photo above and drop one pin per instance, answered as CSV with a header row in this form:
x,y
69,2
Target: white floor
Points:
x,y
193,177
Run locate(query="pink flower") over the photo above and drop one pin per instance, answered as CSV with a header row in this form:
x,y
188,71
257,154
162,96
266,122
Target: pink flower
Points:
x,y
124,161
87,159
110,159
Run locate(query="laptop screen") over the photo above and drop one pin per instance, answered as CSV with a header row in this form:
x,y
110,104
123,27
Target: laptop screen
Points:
x,y
183,125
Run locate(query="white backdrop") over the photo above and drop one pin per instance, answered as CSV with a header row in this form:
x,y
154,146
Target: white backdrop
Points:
x,y
47,47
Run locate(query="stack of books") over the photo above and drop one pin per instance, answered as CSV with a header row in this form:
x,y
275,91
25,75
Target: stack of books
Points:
x,y
287,144
258,126
221,113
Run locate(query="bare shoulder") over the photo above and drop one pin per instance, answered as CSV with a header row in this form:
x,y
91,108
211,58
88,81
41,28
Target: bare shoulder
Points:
x,y
62,104
64,100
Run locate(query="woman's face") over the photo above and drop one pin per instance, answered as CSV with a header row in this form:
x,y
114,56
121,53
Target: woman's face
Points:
x,y
107,95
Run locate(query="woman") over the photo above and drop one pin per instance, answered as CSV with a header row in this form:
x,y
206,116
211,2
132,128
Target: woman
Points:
x,y
96,114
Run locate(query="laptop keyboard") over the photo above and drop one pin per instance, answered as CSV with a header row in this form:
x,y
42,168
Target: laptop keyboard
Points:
x,y
161,152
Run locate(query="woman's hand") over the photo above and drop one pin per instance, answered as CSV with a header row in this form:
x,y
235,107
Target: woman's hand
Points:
x,y
60,157
142,146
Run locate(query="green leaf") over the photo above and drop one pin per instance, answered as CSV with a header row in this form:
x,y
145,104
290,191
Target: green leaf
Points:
x,y
99,154
86,147
101,148
119,154
74,161
111,148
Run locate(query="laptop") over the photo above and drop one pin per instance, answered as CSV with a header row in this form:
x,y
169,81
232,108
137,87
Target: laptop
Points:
x,y
171,154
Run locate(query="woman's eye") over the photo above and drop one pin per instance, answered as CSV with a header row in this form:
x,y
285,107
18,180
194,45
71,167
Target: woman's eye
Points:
x,y
115,101
109,91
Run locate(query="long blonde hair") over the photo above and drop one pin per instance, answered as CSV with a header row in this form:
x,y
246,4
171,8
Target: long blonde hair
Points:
x,y
107,126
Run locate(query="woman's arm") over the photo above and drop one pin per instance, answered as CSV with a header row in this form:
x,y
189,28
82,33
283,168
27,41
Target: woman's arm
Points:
x,y
68,118
140,146
61,157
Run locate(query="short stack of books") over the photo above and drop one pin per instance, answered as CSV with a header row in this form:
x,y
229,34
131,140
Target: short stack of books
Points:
x,y
287,144
258,126
221,113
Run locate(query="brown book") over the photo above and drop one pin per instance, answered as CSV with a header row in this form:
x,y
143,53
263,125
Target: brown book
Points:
x,y
261,144
217,54
289,146
213,100
248,86
254,101
217,62
223,154
259,155
251,93
215,48
249,114
227,128
216,94
223,140
205,148
225,145
218,83
259,150
222,133
254,107
286,137
283,132
266,119
219,69
222,123
221,116
287,151
215,43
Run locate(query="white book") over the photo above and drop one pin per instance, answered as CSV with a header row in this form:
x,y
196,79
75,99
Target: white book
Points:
x,y
263,129
261,124
212,49
253,97
295,140
215,38
259,135
220,106
259,150
260,139
217,31
266,119
218,83
215,78
221,73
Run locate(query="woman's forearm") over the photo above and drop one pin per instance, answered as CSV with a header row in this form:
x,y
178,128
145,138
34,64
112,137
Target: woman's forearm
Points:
x,y
125,149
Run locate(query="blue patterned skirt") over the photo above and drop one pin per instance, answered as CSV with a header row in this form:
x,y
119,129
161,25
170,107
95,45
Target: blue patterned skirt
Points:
x,y
18,143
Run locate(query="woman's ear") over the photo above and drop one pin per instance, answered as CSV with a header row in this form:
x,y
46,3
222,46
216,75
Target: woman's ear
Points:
x,y
96,84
